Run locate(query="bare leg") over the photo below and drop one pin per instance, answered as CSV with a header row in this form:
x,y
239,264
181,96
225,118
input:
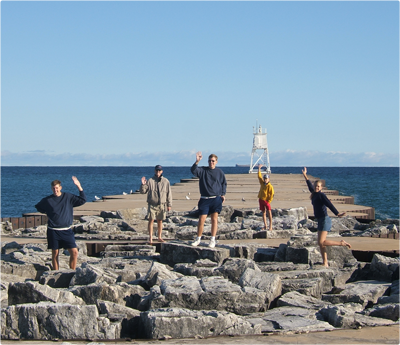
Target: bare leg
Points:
x,y
73,257
214,223
54,259
159,228
270,220
150,228
264,215
323,243
200,226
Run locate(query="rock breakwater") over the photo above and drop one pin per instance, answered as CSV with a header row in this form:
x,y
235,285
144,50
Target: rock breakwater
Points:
x,y
133,291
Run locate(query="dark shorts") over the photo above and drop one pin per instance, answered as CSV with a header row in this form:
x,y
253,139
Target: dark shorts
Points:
x,y
264,205
324,224
57,239
208,206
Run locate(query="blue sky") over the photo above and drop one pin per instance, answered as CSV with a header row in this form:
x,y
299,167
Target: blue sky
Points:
x,y
140,83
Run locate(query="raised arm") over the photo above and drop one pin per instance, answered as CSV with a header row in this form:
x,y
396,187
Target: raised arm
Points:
x,y
77,183
304,171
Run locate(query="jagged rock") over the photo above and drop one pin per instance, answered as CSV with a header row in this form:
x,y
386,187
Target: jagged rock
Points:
x,y
237,235
296,299
174,253
186,233
226,213
384,268
9,247
360,292
32,292
387,311
221,294
280,255
130,318
6,227
24,270
130,251
51,321
325,274
288,319
348,316
201,268
311,286
88,274
108,214
91,219
184,323
132,213
281,233
264,281
233,269
120,293
157,273
281,266
183,292
57,279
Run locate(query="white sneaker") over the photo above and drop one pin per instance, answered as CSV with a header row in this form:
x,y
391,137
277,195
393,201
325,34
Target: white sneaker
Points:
x,y
196,243
212,244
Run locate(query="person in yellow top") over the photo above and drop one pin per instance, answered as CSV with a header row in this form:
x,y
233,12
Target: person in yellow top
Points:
x,y
265,196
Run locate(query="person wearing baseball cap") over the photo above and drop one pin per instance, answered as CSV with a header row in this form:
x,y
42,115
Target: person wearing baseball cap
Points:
x,y
159,200
265,196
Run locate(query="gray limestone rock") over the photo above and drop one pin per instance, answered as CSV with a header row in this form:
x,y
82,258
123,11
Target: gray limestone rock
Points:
x,y
310,287
296,299
120,293
281,266
130,318
157,273
201,268
363,292
51,321
88,274
268,282
184,323
289,320
384,268
221,294
233,268
132,213
174,253
33,292
57,279
349,316
387,311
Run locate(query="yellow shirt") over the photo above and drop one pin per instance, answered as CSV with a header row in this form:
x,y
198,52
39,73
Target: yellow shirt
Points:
x,y
266,190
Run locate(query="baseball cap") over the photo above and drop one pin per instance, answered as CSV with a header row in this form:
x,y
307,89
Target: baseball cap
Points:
x,y
158,167
266,176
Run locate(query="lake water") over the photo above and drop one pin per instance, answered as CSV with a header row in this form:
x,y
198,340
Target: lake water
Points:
x,y
23,187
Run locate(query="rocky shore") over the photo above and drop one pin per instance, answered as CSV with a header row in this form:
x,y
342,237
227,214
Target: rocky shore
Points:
x,y
134,291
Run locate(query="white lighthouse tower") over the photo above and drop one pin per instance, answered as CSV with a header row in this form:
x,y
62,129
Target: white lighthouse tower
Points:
x,y
259,153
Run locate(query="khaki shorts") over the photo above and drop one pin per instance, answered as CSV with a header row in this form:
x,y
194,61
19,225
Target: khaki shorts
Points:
x,y
156,212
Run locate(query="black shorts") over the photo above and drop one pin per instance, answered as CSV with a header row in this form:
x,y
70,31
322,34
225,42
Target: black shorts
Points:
x,y
208,206
57,239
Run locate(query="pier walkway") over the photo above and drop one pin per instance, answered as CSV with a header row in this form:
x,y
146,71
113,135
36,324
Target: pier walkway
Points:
x,y
290,192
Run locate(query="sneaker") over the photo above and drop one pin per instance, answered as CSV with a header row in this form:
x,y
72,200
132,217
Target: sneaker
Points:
x,y
212,244
196,243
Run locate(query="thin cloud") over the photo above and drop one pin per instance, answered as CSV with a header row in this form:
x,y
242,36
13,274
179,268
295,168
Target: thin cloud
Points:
x,y
186,158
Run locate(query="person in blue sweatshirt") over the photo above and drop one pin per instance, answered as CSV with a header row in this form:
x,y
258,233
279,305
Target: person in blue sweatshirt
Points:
x,y
212,184
59,209
320,202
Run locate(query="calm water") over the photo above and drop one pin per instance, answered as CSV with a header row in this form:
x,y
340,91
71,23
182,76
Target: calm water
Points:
x,y
23,187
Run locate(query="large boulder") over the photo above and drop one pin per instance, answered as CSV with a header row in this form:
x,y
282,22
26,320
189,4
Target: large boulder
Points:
x,y
184,323
173,253
33,292
53,321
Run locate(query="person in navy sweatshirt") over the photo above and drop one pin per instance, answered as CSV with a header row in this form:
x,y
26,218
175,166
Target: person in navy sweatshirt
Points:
x,y
212,184
59,209
320,202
